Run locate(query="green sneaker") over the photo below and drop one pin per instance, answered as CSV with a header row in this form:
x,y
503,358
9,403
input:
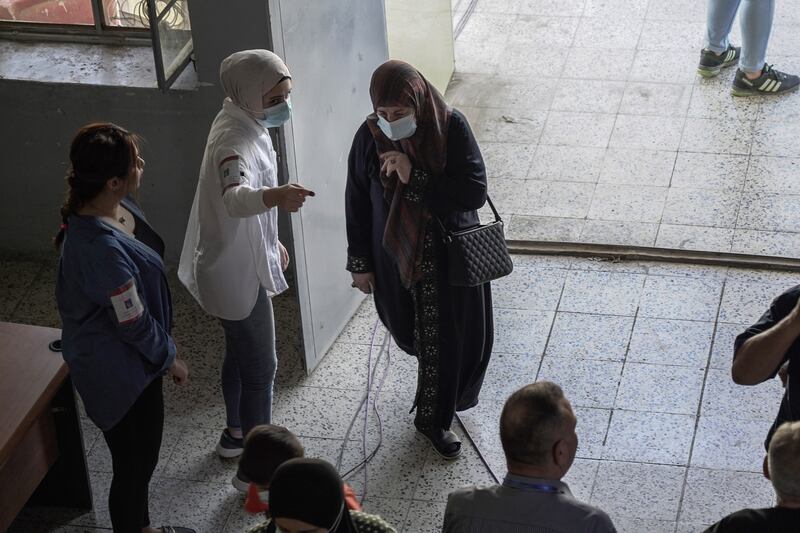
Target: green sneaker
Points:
x,y
711,63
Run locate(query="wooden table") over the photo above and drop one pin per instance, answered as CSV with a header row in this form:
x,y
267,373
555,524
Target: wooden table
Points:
x,y
42,460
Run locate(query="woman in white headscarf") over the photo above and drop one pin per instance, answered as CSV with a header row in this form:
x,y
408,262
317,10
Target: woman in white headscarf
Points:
x,y
232,262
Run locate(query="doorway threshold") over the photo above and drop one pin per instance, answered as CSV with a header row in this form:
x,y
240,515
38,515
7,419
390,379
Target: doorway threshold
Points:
x,y
614,252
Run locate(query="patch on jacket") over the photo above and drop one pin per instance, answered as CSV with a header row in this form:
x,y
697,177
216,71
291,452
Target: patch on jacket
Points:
x,y
127,305
230,172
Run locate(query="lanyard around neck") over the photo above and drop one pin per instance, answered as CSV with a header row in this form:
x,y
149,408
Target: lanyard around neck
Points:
x,y
536,487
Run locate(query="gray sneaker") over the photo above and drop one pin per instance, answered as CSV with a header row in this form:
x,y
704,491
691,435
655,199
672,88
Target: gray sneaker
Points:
x,y
770,82
711,63
228,446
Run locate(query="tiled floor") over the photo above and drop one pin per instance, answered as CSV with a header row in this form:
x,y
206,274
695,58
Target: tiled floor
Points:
x,y
595,127
667,441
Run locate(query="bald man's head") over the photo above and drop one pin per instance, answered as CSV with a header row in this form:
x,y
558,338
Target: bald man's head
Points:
x,y
537,425
784,461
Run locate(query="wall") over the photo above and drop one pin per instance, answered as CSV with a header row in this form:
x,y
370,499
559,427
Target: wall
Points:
x,y
39,120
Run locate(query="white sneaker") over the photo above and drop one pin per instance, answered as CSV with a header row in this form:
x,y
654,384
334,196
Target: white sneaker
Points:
x,y
240,483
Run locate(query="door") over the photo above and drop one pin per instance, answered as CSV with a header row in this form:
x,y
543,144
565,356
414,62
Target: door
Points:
x,y
331,47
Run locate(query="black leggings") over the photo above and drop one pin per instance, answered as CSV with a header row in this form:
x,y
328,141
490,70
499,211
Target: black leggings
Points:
x,y
134,443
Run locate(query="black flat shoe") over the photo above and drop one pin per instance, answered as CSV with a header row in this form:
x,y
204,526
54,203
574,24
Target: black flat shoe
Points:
x,y
173,529
444,442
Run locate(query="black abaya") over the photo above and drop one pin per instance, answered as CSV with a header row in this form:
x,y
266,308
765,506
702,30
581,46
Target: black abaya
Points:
x,y
449,329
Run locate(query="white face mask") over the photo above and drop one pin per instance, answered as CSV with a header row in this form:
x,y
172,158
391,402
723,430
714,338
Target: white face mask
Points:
x,y
402,128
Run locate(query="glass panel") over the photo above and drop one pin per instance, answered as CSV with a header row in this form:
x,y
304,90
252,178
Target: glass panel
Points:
x,y
127,13
174,36
421,32
48,11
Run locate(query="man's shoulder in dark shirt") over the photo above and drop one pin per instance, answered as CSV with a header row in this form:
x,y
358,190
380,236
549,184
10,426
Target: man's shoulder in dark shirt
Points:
x,y
780,307
772,520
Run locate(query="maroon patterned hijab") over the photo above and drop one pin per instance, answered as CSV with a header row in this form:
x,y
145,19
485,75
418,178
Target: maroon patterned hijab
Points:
x,y
396,83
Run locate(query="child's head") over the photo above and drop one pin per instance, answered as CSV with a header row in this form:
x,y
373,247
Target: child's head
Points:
x,y
267,447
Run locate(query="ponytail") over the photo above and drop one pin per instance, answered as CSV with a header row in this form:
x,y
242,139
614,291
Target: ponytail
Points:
x,y
70,206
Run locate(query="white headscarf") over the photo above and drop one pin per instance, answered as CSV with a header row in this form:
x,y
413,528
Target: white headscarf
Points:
x,y
247,75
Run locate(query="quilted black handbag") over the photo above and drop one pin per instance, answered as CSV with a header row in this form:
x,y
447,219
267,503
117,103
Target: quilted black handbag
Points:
x,y
477,255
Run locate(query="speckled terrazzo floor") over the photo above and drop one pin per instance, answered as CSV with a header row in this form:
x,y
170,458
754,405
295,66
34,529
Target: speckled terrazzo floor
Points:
x,y
641,349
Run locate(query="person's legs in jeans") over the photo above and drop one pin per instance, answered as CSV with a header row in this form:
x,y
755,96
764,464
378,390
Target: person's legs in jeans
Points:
x,y
231,384
249,368
134,444
756,21
719,21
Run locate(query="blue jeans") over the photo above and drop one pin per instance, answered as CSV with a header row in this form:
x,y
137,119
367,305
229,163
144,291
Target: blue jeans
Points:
x,y
756,20
248,371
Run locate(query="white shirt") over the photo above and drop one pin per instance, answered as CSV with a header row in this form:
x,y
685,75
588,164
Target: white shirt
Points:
x,y
231,243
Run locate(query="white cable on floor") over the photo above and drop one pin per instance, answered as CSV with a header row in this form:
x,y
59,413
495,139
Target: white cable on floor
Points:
x,y
477,449
371,372
385,348
459,27
358,409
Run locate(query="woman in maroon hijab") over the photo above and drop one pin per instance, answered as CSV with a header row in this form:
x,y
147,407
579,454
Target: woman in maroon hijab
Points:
x,y
415,160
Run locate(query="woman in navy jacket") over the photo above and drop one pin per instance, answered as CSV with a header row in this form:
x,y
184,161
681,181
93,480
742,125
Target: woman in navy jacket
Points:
x,y
116,310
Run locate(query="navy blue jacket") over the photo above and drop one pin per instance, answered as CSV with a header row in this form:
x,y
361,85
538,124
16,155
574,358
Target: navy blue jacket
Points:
x,y
116,311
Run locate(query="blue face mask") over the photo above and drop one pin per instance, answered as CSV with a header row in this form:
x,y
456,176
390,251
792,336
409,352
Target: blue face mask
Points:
x,y
276,115
402,128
